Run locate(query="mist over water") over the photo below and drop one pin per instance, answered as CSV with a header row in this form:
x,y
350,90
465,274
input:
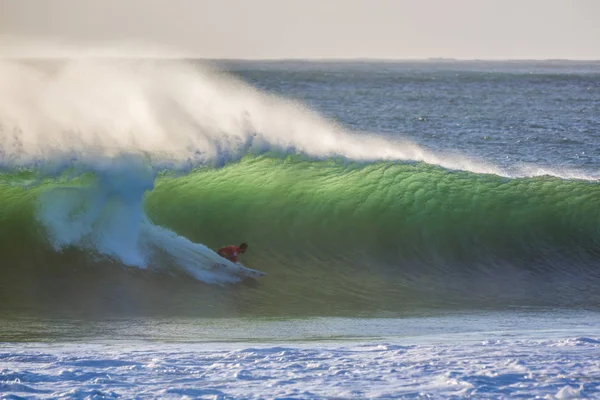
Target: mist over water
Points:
x,y
172,112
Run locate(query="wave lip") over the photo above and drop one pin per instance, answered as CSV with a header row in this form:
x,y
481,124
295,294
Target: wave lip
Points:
x,y
174,113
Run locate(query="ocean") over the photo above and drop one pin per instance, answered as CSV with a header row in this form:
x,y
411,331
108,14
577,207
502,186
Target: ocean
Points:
x,y
429,229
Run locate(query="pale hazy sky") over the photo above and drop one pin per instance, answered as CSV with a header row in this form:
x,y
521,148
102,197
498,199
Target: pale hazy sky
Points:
x,y
483,29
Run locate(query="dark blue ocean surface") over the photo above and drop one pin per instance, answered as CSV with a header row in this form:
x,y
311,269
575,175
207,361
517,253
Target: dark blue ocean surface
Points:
x,y
547,113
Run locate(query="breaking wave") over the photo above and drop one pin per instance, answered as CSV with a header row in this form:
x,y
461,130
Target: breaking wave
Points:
x,y
114,165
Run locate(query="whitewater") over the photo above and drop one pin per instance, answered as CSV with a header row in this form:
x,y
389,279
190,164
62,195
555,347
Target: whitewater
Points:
x,y
441,357
429,229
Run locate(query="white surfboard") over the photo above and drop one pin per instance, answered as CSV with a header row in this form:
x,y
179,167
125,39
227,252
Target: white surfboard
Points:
x,y
240,270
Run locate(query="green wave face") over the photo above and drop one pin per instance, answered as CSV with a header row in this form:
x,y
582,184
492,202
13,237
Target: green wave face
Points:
x,y
385,212
388,233
344,238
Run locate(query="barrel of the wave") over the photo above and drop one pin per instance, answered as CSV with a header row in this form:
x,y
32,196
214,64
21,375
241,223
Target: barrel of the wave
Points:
x,y
396,220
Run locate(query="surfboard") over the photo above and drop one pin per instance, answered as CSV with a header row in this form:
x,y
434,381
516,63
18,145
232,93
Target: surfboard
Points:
x,y
240,270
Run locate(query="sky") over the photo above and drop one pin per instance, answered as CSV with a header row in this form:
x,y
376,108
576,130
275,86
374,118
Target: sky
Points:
x,y
334,29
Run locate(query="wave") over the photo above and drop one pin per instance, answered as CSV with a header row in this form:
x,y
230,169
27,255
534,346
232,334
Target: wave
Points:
x,y
113,163
364,234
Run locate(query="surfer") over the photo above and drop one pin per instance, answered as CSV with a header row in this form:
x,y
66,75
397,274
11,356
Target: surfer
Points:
x,y
231,252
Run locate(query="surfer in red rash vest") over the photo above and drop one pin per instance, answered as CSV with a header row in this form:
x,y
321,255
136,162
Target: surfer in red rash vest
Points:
x,y
231,252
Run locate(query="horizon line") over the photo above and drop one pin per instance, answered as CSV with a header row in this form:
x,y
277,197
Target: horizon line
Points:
x,y
296,59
